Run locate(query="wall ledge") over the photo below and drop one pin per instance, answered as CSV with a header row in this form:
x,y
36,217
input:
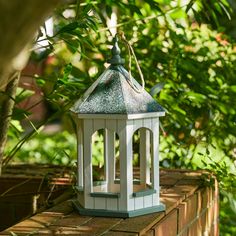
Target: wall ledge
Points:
x,y
192,208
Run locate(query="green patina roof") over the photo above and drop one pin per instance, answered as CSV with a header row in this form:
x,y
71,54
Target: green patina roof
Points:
x,y
112,93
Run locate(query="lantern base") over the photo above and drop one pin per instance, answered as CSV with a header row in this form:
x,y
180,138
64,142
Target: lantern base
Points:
x,y
120,214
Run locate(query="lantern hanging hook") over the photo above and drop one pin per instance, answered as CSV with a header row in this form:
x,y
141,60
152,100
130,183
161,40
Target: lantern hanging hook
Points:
x,y
121,35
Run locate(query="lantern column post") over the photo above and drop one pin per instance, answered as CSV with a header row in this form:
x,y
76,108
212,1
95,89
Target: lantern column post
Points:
x,y
126,165
155,158
88,177
80,153
109,158
144,156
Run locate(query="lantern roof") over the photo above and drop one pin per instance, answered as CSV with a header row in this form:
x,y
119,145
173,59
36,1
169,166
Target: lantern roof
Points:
x,y
114,93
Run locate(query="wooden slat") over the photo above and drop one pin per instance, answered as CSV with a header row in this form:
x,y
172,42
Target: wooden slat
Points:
x,y
148,201
88,131
99,203
110,158
138,202
112,204
80,153
155,159
144,156
126,167
98,124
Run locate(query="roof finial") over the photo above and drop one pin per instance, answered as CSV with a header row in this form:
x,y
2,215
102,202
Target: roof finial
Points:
x,y
115,52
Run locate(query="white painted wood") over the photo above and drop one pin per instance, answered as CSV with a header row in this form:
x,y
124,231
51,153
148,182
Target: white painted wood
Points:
x,y
103,116
145,156
155,199
110,158
145,115
126,170
87,150
80,152
148,201
121,116
112,204
138,123
111,124
99,203
147,123
138,202
98,124
155,150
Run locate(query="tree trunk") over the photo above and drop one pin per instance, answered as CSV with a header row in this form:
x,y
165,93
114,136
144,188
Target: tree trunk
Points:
x,y
19,23
6,113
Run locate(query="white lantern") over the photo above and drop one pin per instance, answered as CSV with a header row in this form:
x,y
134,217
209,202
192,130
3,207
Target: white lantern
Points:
x,y
113,105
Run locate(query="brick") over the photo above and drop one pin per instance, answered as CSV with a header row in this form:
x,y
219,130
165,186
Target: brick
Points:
x,y
186,190
192,207
210,215
139,224
174,191
100,225
216,190
85,231
183,233
171,201
206,197
64,208
211,231
216,206
182,216
185,196
150,232
195,229
204,222
189,181
216,228
187,212
199,202
72,220
167,226
168,180
110,233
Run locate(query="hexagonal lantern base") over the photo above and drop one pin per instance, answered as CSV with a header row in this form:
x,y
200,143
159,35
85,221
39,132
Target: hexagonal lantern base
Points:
x,y
120,214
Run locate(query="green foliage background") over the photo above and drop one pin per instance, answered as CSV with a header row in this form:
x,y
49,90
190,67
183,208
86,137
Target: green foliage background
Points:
x,y
187,56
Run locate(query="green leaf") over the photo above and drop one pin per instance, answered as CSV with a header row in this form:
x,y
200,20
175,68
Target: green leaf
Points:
x,y
68,28
193,96
178,14
22,94
233,88
189,6
157,88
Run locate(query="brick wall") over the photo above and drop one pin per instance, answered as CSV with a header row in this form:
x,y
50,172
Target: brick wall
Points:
x,y
192,209
195,216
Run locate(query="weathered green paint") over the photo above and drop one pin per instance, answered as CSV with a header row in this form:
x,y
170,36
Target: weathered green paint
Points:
x,y
120,214
144,192
105,194
135,182
112,92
